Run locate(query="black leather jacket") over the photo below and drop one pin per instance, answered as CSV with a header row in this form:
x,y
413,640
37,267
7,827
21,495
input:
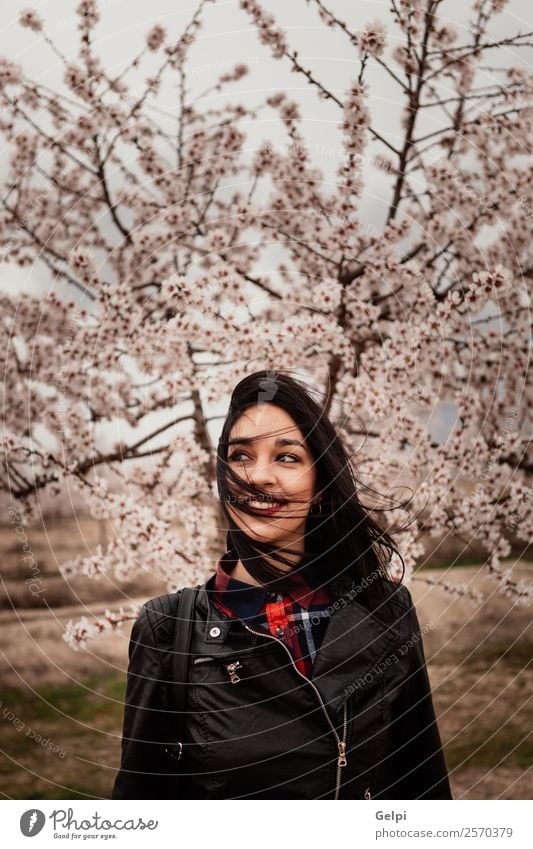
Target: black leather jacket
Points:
x,y
363,726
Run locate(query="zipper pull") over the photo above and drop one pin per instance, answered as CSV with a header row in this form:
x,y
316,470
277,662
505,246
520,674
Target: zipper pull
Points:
x,y
342,755
231,667
367,793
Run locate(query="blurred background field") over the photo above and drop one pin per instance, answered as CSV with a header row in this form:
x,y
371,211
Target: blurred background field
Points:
x,y
479,662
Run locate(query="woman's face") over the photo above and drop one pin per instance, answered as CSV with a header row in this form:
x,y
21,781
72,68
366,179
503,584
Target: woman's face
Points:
x,y
285,470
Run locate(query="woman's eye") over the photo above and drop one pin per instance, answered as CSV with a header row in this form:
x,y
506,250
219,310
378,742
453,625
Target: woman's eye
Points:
x,y
238,454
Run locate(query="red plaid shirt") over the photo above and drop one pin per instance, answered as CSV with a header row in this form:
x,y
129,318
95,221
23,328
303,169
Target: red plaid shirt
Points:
x,y
298,617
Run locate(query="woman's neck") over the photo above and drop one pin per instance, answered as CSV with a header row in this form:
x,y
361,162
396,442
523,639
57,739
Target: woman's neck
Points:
x,y
240,573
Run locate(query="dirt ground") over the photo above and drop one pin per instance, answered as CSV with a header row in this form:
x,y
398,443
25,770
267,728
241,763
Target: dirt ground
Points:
x,y
479,661
480,666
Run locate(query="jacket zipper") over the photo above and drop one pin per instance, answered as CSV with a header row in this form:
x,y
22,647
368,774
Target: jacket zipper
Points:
x,y
229,667
341,744
342,748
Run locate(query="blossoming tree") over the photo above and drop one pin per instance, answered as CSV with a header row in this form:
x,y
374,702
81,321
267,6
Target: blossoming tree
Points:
x,y
160,228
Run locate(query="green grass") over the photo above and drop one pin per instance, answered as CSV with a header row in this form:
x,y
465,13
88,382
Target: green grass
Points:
x,y
508,745
73,699
77,720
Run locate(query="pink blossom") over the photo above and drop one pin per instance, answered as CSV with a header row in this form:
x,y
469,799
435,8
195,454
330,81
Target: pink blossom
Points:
x,y
31,20
156,37
239,71
371,41
268,33
87,11
75,77
10,74
444,35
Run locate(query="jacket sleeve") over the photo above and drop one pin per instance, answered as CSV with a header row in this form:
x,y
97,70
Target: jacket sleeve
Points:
x,y
144,765
418,767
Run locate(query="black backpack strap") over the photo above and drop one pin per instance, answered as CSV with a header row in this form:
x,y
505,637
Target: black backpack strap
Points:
x,y
179,669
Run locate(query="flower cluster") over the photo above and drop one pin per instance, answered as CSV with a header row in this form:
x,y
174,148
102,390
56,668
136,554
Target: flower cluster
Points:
x,y
156,37
268,33
31,20
10,74
79,634
356,119
88,14
239,71
371,41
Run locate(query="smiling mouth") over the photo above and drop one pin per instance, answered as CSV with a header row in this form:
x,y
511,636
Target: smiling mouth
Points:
x,y
263,507
267,508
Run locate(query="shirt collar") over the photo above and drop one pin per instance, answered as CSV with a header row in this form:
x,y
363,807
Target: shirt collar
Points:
x,y
246,600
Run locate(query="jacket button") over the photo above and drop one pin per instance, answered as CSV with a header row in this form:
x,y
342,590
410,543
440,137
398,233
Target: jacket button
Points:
x,y
280,631
214,632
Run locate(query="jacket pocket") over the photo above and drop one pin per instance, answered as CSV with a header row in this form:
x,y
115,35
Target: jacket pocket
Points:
x,y
232,665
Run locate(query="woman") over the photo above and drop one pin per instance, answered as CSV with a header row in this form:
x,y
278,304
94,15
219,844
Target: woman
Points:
x,y
307,676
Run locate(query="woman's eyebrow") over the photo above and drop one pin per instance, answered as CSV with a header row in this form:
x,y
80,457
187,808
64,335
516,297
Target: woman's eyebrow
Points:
x,y
246,440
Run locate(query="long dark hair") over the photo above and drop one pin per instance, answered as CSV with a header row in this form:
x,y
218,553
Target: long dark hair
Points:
x,y
344,536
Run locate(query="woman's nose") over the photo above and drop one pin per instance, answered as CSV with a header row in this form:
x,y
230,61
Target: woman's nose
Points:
x,y
261,474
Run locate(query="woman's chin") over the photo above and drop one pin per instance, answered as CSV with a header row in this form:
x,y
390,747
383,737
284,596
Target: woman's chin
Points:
x,y
262,531
270,531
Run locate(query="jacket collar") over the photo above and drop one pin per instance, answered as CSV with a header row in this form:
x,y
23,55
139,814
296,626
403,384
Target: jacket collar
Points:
x,y
354,643
218,623
246,599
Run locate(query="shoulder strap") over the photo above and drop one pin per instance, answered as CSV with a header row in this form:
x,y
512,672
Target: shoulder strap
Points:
x,y
179,666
